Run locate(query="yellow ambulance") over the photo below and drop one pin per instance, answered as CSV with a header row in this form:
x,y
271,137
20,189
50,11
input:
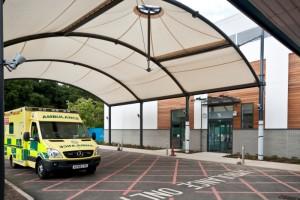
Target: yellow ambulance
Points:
x,y
49,140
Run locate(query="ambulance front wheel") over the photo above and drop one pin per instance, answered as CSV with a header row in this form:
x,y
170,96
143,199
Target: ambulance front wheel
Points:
x,y
40,169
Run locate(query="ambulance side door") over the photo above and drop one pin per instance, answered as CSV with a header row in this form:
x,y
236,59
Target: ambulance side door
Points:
x,y
34,140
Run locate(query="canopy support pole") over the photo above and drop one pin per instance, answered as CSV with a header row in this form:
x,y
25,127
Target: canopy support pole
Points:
x,y
141,125
187,125
1,105
149,42
109,125
261,101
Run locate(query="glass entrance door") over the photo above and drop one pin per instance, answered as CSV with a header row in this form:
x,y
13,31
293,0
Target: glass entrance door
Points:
x,y
177,128
220,135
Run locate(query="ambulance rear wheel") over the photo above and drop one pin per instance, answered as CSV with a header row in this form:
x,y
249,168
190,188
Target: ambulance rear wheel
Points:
x,y
41,171
11,162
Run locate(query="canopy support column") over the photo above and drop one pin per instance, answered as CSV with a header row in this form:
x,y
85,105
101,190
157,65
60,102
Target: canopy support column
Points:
x,y
141,125
1,105
187,125
261,101
109,125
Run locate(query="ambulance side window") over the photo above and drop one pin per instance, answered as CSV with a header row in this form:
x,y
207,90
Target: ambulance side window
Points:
x,y
34,130
11,128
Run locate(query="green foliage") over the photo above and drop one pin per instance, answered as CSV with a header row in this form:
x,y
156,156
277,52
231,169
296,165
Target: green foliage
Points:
x,y
90,111
38,93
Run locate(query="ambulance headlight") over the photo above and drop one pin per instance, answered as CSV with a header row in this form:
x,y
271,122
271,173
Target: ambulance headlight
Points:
x,y
97,151
53,153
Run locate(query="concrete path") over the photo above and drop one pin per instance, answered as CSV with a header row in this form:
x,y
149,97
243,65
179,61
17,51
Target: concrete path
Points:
x,y
213,157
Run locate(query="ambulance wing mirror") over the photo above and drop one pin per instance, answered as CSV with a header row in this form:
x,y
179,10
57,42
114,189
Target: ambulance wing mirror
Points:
x,y
26,136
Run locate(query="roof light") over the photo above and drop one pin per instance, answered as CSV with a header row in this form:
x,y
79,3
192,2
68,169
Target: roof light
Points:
x,y
149,9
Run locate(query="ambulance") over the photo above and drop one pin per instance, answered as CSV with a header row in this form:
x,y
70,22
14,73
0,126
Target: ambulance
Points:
x,y
49,140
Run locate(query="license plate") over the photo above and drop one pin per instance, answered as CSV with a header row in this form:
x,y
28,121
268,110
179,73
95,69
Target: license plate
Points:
x,y
82,166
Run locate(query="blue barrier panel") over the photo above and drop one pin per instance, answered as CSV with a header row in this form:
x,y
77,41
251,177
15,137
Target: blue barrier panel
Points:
x,y
99,133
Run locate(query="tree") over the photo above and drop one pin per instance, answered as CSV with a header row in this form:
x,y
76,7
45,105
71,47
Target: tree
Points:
x,y
90,111
40,93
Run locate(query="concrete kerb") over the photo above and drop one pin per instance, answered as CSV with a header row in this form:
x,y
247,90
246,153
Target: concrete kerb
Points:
x,y
19,190
213,157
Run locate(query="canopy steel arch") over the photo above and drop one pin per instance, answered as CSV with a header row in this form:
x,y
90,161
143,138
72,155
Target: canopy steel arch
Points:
x,y
102,8
154,60
89,67
94,36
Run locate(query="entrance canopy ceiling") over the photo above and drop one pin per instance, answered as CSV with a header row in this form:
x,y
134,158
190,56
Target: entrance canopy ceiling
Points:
x,y
101,46
279,18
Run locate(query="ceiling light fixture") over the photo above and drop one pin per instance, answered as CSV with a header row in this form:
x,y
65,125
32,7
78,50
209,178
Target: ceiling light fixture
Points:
x,y
14,63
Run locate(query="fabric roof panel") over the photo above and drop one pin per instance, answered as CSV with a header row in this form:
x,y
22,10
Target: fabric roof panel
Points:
x,y
11,51
64,70
201,70
103,87
71,13
220,77
48,15
168,30
208,59
105,52
33,70
55,47
159,87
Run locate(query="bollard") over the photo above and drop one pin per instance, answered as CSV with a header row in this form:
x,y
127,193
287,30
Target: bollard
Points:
x,y
118,149
122,142
239,161
243,154
172,150
167,149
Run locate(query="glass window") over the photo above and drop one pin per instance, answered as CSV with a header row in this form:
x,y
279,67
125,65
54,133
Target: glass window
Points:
x,y
63,130
11,128
247,115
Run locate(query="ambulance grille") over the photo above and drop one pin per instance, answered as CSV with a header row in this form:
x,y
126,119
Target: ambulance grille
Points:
x,y
79,154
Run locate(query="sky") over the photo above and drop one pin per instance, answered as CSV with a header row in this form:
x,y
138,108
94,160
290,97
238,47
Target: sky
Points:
x,y
214,10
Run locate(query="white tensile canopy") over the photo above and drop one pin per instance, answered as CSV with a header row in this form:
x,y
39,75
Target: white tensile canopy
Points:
x,y
101,46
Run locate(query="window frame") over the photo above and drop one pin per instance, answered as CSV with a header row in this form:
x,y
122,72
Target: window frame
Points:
x,y
11,128
242,104
36,125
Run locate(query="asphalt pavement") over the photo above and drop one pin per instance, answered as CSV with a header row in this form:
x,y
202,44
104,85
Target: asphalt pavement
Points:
x,y
136,176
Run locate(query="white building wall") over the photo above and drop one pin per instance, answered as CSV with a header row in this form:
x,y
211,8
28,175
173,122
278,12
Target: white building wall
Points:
x,y
276,55
235,24
127,116
200,110
276,110
276,90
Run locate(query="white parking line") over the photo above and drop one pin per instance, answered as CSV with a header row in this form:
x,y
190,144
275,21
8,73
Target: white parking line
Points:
x,y
19,190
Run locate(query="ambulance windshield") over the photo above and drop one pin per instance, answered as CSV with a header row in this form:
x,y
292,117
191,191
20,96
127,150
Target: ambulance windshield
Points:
x,y
63,130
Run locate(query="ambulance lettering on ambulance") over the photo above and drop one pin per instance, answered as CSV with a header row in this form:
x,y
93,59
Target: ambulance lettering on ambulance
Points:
x,y
49,140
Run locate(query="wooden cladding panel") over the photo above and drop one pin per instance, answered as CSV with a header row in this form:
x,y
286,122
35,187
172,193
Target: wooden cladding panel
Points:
x,y
165,107
249,95
294,91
